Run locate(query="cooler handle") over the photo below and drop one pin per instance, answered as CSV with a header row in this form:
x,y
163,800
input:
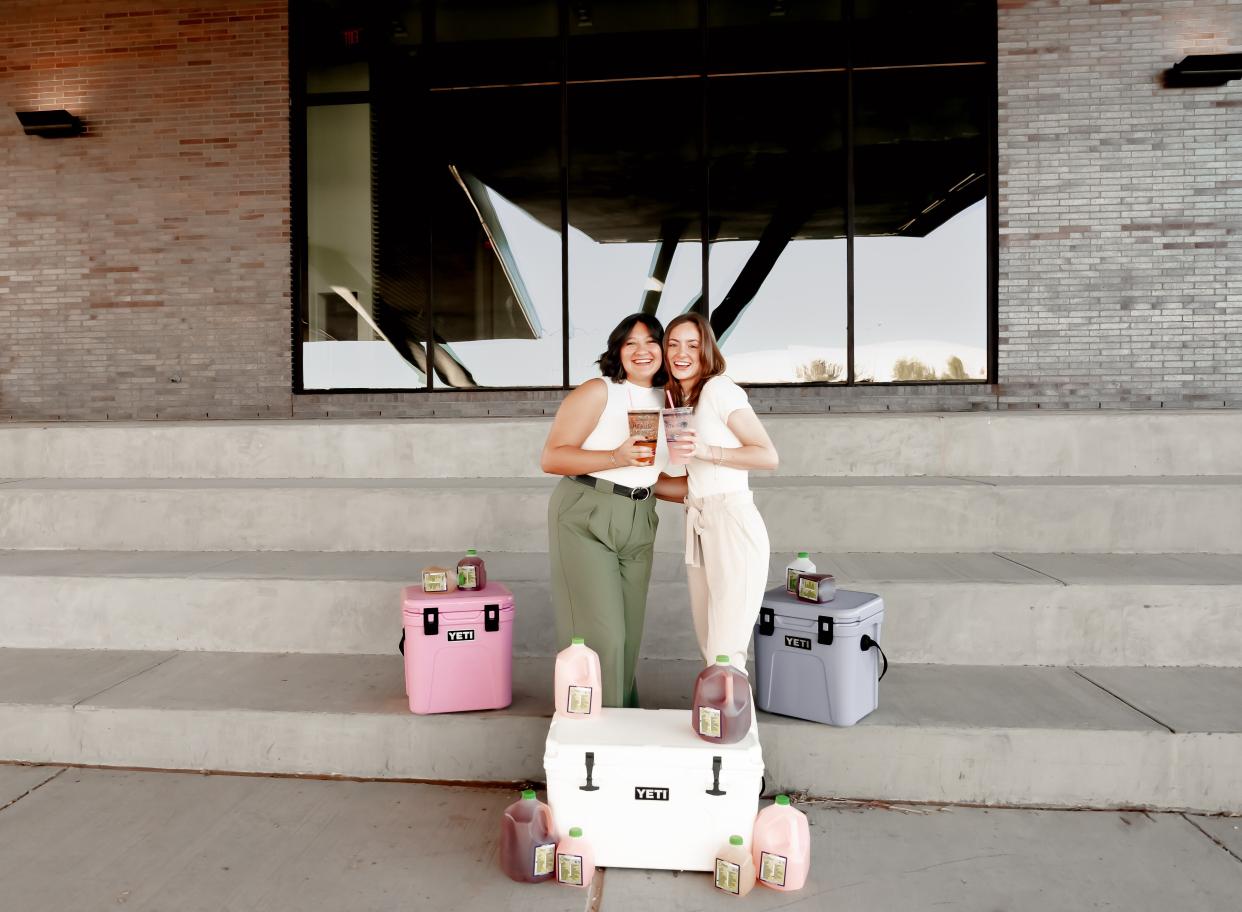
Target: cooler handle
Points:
x,y
767,622
866,643
431,621
491,618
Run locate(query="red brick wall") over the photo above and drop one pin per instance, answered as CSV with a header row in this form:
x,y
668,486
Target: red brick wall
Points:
x,y
144,267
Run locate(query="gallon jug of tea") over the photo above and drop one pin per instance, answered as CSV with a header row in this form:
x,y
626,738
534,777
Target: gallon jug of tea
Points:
x,y
471,572
722,712
527,841
801,564
578,682
782,846
735,869
575,862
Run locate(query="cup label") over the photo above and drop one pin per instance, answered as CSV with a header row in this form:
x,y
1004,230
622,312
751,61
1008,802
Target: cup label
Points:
x,y
709,722
545,858
569,869
728,876
579,699
772,868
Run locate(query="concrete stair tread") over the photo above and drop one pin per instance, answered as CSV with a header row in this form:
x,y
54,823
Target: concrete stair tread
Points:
x,y
537,483
914,696
992,735
871,568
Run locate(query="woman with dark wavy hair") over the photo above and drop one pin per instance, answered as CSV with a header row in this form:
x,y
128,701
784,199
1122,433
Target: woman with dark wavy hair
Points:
x,y
601,519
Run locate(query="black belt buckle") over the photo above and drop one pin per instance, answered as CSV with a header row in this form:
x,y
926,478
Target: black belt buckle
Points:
x,y
634,492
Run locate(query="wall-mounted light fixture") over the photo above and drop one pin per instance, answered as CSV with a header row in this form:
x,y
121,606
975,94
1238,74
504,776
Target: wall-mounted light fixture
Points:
x,y
50,124
1200,70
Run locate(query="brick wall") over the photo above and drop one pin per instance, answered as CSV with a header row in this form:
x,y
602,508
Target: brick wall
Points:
x,y
144,270
1121,206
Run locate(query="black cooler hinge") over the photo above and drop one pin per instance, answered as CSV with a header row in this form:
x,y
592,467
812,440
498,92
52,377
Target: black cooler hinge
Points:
x,y
491,618
431,621
825,630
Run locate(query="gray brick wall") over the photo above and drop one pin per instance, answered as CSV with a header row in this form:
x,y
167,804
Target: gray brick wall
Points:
x,y
145,266
1121,207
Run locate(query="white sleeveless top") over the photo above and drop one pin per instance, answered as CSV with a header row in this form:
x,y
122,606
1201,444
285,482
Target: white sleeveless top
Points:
x,y
613,428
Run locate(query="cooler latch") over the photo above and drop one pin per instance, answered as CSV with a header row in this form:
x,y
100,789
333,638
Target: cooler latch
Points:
x,y
825,630
590,767
491,618
767,622
431,621
715,789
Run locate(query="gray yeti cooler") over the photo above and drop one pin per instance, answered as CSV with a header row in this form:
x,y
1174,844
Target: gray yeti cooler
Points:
x,y
819,661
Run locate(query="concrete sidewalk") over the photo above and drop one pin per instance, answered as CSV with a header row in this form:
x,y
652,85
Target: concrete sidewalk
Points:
x,y
87,839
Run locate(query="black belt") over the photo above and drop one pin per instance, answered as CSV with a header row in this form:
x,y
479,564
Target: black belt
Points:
x,y
638,494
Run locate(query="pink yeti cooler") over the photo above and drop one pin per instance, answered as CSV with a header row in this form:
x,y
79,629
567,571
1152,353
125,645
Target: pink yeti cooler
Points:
x,y
458,649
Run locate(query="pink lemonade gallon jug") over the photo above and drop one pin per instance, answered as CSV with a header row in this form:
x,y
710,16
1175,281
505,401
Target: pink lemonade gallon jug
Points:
x,y
527,841
722,713
471,572
782,846
575,860
579,683
735,869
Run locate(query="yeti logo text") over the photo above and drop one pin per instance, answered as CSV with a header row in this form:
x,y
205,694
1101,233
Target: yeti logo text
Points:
x,y
461,635
642,793
798,642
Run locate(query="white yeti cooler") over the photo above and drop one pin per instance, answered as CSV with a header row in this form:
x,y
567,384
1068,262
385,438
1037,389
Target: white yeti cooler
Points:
x,y
648,792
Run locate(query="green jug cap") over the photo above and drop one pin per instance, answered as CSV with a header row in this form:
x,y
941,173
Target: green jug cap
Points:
x,y
782,800
735,840
471,552
578,641
800,553
528,795
575,832
722,660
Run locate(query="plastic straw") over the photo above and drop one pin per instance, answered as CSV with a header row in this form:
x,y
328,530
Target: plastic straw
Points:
x,y
668,394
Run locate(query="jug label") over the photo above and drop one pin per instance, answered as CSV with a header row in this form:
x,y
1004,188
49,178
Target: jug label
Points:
x,y
808,589
791,581
579,699
797,642
709,722
728,876
545,859
569,869
772,869
436,581
462,636
466,577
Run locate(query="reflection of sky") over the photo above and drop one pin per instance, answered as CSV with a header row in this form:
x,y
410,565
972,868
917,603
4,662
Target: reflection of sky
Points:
x,y
919,297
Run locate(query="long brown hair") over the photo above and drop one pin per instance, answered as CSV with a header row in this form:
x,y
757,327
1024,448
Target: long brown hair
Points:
x,y
711,361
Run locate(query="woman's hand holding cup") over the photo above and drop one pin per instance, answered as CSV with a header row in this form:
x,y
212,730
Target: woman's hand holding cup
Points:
x,y
631,453
684,448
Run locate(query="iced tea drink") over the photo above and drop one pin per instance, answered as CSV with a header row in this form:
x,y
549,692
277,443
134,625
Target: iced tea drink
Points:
x,y
676,422
722,713
527,841
645,425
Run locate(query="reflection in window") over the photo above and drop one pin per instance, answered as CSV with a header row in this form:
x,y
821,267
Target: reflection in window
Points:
x,y
634,191
777,280
920,257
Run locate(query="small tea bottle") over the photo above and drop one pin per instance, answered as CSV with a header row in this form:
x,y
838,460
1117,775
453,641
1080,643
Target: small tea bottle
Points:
x,y
471,572
735,869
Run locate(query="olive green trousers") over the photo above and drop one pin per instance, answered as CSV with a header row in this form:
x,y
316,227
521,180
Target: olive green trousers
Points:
x,y
600,545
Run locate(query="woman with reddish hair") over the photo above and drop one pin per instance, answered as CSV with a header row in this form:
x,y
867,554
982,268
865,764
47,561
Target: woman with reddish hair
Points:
x,y
727,549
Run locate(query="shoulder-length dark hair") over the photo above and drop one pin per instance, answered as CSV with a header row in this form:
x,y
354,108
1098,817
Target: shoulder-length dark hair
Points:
x,y
711,361
610,361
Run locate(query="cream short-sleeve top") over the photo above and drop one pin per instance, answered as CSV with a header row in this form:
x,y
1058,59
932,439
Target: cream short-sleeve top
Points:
x,y
719,398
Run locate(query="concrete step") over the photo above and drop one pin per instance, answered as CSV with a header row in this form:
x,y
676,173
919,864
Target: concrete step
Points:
x,y
999,736
909,514
977,609
989,444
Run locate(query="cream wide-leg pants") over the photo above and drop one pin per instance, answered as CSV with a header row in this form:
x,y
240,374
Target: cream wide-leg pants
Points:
x,y
727,556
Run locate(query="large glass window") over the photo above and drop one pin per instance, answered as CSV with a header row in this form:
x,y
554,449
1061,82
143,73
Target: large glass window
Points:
x,y
491,185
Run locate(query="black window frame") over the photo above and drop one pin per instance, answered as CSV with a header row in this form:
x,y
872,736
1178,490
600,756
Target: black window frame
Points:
x,y
300,99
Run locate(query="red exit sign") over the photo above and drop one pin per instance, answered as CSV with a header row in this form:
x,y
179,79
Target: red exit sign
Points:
x,y
352,36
